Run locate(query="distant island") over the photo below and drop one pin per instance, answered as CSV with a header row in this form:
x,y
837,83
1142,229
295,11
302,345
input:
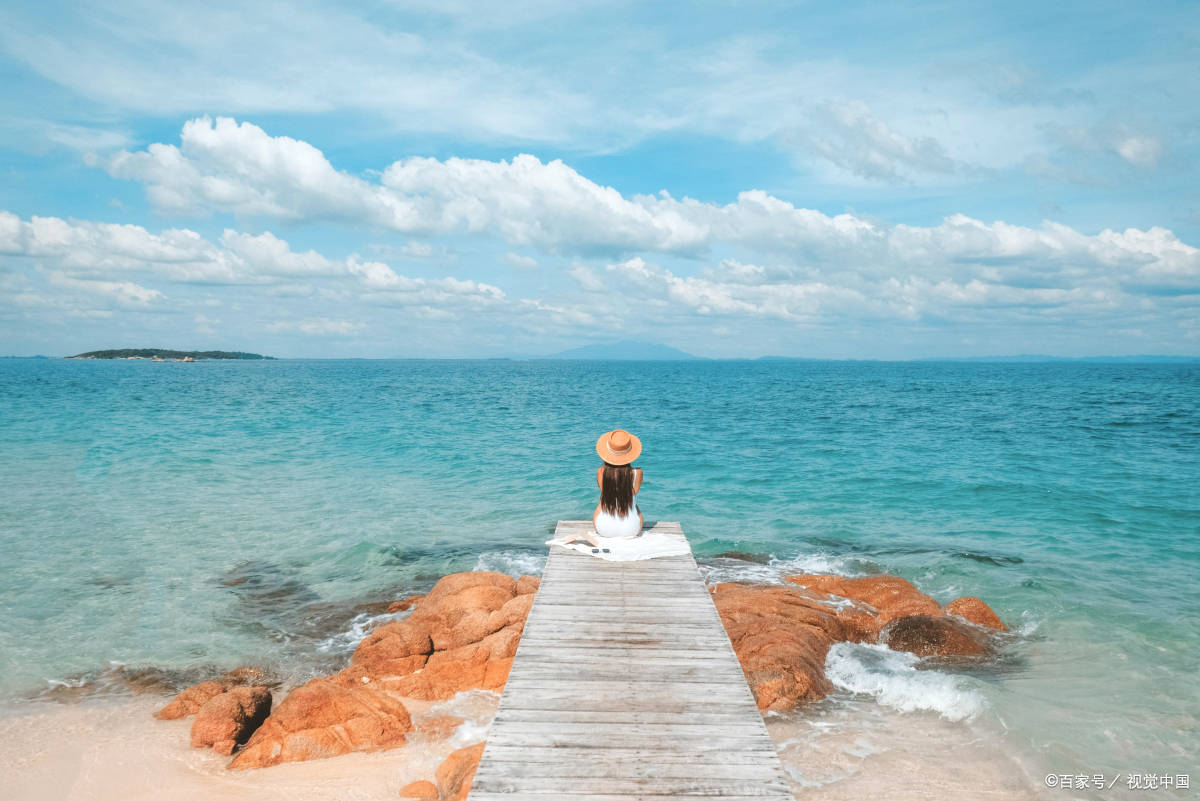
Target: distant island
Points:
x,y
161,354
627,351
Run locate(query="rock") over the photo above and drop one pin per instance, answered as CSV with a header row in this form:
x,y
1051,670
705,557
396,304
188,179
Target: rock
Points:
x,y
191,699
227,720
462,635
457,582
404,604
976,611
456,772
781,636
387,649
879,599
925,635
513,612
426,791
528,584
324,718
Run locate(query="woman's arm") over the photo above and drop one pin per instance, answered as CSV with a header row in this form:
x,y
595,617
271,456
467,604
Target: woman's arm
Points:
x,y
600,478
637,480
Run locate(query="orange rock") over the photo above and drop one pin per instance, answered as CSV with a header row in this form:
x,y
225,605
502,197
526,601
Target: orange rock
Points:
x,y
513,612
441,682
887,598
324,718
528,584
423,790
385,650
976,611
781,636
924,635
455,774
404,604
227,720
457,582
191,699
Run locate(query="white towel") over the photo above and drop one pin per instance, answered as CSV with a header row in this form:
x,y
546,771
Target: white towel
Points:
x,y
627,549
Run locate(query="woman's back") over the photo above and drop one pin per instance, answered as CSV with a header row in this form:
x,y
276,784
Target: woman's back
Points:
x,y
617,514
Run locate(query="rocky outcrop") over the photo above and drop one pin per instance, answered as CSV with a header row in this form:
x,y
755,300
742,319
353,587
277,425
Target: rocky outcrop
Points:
x,y
193,698
877,600
976,611
782,634
227,720
926,635
325,718
462,635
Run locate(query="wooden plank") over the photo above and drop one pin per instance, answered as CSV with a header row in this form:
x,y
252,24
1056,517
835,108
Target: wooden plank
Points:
x,y
625,686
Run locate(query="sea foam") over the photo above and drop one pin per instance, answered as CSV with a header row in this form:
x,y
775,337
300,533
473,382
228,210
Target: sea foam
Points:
x,y
894,679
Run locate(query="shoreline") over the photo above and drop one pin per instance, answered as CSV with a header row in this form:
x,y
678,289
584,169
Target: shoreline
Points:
x,y
845,742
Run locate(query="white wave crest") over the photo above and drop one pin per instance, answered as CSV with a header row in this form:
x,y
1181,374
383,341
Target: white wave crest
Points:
x,y
715,571
514,563
894,680
360,626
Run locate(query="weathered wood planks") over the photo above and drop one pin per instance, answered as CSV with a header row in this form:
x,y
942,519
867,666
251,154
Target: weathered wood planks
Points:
x,y
625,687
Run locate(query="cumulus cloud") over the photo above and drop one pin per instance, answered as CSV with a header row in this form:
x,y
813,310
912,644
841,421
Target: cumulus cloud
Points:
x,y
92,258
226,166
125,292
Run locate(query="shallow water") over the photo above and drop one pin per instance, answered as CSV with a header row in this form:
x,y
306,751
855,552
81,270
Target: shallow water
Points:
x,y
193,517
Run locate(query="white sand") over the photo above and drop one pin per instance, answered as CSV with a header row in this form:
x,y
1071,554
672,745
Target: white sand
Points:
x,y
115,751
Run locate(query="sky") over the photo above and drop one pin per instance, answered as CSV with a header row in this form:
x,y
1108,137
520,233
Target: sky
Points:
x,y
453,179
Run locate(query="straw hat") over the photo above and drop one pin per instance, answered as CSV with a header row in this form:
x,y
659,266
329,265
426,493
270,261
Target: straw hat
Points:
x,y
618,447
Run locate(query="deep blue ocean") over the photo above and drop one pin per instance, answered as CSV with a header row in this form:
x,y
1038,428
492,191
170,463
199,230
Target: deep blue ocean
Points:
x,y
191,517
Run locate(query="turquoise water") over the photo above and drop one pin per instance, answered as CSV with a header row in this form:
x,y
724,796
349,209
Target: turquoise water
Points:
x,y
199,516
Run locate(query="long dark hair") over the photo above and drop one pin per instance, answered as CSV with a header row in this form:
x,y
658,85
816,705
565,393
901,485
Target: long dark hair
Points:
x,y
616,489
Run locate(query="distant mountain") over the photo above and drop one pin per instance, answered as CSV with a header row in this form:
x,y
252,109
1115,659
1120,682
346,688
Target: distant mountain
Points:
x,y
1147,358
627,351
160,353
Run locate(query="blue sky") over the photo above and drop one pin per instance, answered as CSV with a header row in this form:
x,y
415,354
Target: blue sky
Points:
x,y
735,179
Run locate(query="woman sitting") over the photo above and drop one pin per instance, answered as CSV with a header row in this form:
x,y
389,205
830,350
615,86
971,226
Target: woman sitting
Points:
x,y
617,514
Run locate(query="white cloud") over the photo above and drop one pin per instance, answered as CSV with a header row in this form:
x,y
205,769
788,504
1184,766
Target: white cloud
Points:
x,y
92,258
1142,151
85,248
125,292
524,202
519,262
850,136
318,326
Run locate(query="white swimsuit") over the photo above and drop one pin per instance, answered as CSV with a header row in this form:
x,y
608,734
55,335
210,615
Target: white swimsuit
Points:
x,y
626,525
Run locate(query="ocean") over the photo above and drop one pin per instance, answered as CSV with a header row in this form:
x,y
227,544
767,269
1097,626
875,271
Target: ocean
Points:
x,y
195,517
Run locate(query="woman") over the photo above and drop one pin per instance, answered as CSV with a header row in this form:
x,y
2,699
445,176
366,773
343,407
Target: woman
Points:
x,y
617,514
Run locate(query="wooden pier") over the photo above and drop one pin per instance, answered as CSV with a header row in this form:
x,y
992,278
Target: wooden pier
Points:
x,y
625,686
